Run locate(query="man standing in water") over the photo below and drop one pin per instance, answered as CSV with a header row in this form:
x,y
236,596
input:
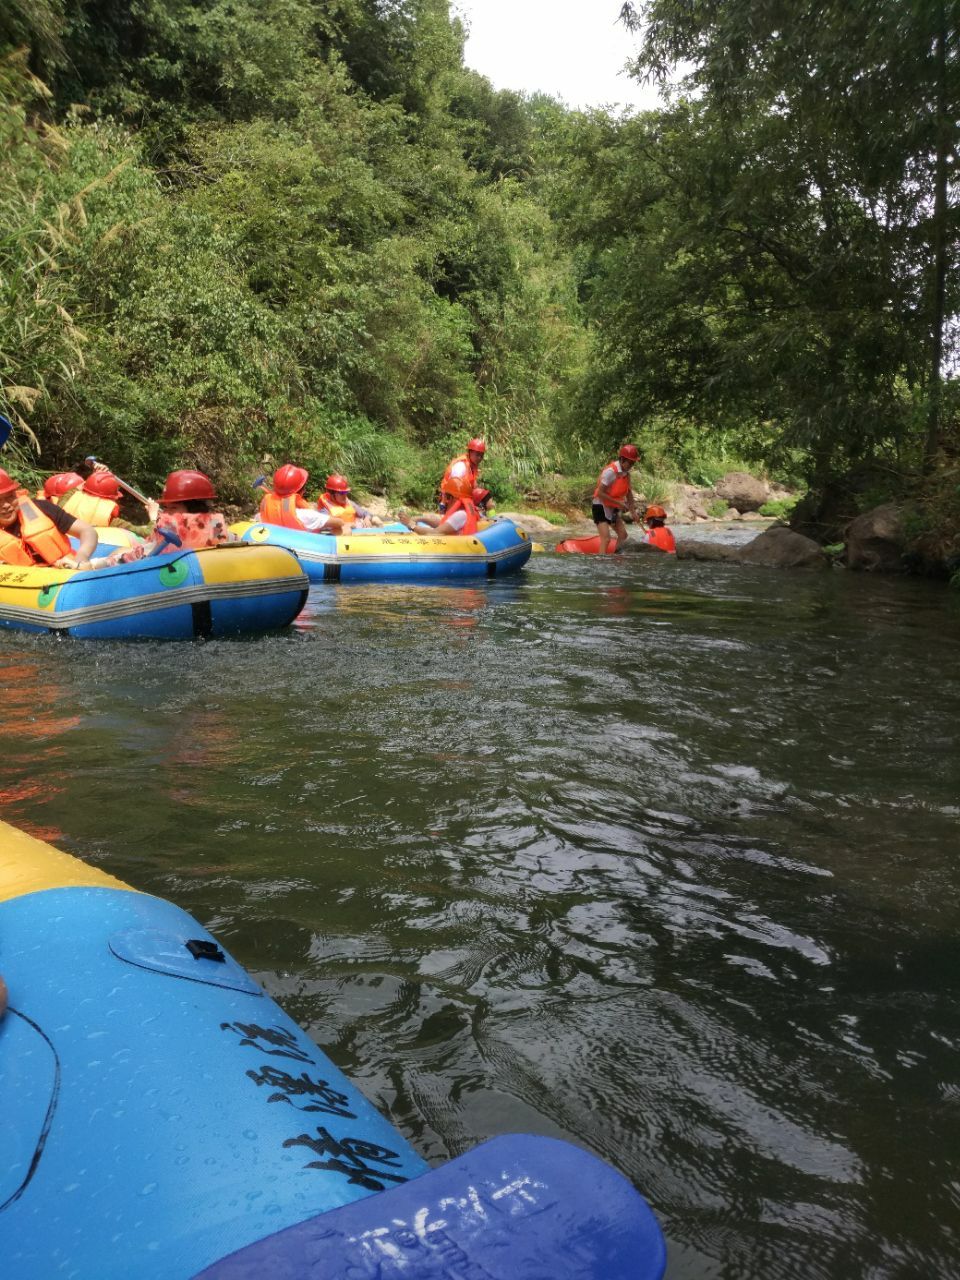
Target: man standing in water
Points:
x,y
613,496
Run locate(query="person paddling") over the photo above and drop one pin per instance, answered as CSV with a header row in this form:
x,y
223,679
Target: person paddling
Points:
x,y
35,531
185,511
97,500
613,496
658,535
457,486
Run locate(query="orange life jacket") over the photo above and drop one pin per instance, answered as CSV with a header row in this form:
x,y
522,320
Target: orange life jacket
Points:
x,y
275,509
88,507
40,541
660,536
458,486
345,511
616,495
467,505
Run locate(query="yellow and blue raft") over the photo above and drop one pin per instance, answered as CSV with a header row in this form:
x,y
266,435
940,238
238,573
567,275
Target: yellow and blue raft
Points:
x,y
164,1119
396,555
218,591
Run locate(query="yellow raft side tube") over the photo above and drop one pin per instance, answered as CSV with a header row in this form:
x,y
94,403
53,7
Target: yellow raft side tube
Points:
x,y
28,865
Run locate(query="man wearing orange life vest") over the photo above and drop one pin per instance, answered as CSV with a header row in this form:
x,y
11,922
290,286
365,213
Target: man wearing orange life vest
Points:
x,y
34,531
336,501
285,504
456,490
613,496
658,535
97,500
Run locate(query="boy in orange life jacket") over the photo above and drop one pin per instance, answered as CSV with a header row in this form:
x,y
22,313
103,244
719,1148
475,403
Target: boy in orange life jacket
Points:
x,y
34,531
613,496
336,501
658,535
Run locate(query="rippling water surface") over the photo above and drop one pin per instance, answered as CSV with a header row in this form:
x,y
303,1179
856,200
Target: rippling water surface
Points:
x,y
659,857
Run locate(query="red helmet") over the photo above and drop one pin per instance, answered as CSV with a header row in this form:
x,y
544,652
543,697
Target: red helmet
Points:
x,y
103,484
7,483
337,483
289,479
629,453
185,486
480,495
654,513
476,445
56,486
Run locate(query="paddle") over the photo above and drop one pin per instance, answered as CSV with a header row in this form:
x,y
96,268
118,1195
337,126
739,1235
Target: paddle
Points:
x,y
170,538
6,426
127,488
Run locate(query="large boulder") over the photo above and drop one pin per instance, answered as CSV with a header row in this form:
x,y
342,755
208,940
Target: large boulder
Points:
x,y
875,541
780,548
743,491
691,549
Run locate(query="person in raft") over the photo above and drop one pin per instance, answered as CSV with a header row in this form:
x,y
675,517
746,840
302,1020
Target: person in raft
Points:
x,y
336,501
462,475
185,510
96,500
285,504
57,486
658,535
35,531
437,524
613,496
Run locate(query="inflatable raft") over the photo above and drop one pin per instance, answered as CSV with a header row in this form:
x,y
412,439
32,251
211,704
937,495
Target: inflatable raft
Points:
x,y
375,555
586,546
214,592
164,1119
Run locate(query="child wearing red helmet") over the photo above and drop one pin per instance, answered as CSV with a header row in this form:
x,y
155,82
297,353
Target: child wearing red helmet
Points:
x,y
185,511
658,535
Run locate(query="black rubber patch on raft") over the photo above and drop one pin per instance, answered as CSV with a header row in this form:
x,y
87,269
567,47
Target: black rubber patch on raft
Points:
x,y
492,569
202,620
331,573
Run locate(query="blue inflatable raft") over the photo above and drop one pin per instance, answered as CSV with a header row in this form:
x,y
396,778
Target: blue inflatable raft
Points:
x,y
218,591
396,555
164,1119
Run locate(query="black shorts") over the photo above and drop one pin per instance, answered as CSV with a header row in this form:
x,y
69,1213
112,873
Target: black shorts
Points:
x,y
600,516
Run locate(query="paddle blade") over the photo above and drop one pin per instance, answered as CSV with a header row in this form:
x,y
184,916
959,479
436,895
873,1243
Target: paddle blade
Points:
x,y
6,426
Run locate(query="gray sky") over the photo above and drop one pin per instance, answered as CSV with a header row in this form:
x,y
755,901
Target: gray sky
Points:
x,y
572,49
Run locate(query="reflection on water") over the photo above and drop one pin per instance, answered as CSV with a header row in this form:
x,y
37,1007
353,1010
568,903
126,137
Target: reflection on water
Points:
x,y
661,858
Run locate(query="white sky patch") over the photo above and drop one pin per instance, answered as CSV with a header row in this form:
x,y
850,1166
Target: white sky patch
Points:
x,y
574,50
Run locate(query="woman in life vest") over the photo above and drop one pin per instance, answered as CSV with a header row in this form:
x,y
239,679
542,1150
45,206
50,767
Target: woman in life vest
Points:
x,y
35,531
658,535
336,501
613,496
285,504
97,500
186,510
58,486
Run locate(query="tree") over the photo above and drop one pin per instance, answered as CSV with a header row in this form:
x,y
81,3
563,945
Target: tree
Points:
x,y
865,97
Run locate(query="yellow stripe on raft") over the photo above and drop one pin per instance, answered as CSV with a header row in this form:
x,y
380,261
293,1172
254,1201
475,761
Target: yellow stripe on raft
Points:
x,y
28,865
235,564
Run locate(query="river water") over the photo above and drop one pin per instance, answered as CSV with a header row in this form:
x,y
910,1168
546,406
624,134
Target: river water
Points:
x,y
659,857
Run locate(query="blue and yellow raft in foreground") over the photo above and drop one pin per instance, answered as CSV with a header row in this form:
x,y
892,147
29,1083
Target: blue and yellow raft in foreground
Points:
x,y
164,1119
395,555
218,591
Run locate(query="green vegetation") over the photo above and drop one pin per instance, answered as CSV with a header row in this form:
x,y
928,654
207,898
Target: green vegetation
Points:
x,y
235,233
779,508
